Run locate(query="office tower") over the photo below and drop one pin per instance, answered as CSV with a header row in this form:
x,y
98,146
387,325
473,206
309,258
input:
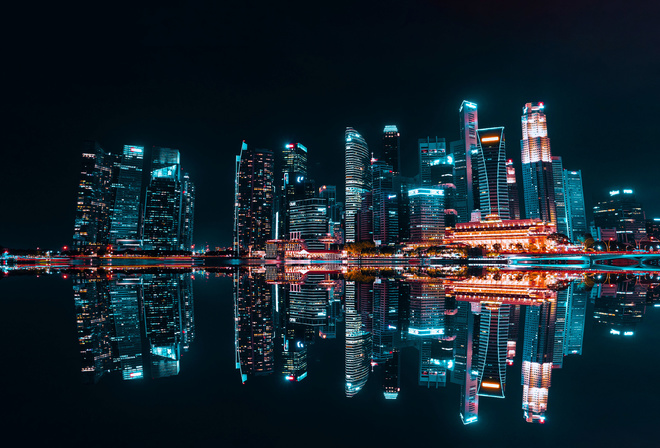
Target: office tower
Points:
x,y
493,339
461,150
391,374
574,199
538,182
537,359
489,165
464,373
575,319
126,219
391,151
254,329
163,201
329,193
295,185
308,302
385,318
427,215
358,344
94,327
364,220
295,159
563,223
512,187
561,315
435,165
94,205
309,221
125,296
620,306
514,325
187,213
358,178
253,210
624,213
401,186
187,310
385,204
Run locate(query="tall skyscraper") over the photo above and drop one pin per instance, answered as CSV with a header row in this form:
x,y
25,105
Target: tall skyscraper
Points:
x,y
163,202
465,374
385,204
574,199
461,151
126,219
391,151
512,186
254,192
538,182
329,193
489,163
358,177
94,204
358,344
563,224
295,185
436,166
187,213
493,339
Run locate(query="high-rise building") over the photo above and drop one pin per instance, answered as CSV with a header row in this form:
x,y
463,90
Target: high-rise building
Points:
x,y
512,186
624,213
489,164
94,204
358,344
163,202
187,213
391,151
427,215
309,221
126,214
435,165
538,181
295,159
253,212
574,199
358,178
493,339
329,193
575,319
461,151
386,316
563,223
465,374
295,185
385,204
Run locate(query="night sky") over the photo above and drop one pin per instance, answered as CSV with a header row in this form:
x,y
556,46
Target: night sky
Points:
x,y
203,77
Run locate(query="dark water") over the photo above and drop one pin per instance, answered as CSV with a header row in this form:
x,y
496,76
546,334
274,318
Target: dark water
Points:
x,y
151,359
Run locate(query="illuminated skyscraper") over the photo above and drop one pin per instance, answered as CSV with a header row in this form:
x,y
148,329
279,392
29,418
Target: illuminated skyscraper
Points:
x,y
490,161
391,151
295,159
125,296
187,213
329,192
295,185
563,224
308,219
386,316
436,166
125,222
385,204
512,186
461,151
575,319
493,339
358,177
624,213
163,202
465,371
254,199
574,199
358,345
538,182
427,215
94,204
391,374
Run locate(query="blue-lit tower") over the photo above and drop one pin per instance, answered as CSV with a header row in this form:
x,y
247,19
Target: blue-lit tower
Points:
x,y
358,177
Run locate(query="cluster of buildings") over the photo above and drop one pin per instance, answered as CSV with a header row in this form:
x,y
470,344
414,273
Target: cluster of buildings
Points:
x,y
118,208
467,185
468,331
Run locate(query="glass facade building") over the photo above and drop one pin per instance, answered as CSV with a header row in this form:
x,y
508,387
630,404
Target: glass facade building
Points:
x,y
358,178
391,150
126,214
574,199
461,150
489,165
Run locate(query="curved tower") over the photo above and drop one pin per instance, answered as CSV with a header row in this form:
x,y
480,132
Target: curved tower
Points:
x,y
357,177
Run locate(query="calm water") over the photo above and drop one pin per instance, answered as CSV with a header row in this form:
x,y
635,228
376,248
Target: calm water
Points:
x,y
260,357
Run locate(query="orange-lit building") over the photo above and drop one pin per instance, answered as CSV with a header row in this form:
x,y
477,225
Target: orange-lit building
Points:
x,y
531,234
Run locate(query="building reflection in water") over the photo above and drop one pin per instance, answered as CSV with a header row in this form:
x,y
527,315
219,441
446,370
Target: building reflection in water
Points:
x,y
135,324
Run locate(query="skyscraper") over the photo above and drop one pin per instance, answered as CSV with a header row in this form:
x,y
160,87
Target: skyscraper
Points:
x,y
125,222
295,185
461,151
329,193
391,151
574,199
94,204
253,213
187,213
490,161
563,224
512,186
163,202
385,204
624,213
358,344
309,221
435,165
493,339
538,182
427,215
357,163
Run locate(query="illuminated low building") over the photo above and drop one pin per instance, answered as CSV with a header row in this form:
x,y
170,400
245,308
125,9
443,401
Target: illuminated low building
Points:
x,y
517,234
427,215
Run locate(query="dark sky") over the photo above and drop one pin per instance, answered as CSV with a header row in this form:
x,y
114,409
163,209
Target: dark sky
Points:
x,y
205,76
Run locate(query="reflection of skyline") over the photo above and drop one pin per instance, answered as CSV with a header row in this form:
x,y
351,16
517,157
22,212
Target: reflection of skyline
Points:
x,y
116,317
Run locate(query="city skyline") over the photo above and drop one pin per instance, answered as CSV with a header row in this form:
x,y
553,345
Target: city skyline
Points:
x,y
184,100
